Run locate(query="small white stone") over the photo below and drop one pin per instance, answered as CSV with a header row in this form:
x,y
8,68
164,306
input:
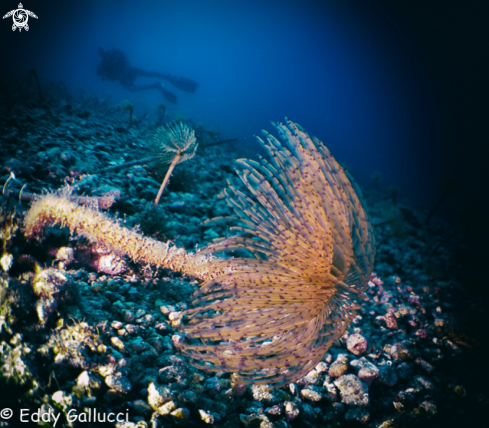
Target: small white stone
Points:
x,y
206,417
117,342
6,261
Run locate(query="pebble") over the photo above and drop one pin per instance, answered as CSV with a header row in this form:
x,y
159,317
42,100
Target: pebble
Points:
x,y
391,321
163,327
274,410
206,417
167,408
311,394
353,392
62,400
6,261
66,254
291,410
118,383
293,389
366,371
128,316
117,342
260,393
255,420
331,391
117,325
356,344
158,395
165,310
339,367
174,315
322,367
132,329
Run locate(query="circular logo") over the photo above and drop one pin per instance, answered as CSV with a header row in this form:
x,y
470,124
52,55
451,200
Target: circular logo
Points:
x,y
6,413
20,17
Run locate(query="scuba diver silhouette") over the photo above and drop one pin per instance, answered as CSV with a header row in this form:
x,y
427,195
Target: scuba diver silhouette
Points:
x,y
116,67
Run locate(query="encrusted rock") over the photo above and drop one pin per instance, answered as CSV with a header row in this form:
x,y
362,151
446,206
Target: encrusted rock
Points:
x,y
274,410
167,309
117,342
367,371
293,389
158,395
356,344
118,383
47,284
390,320
291,410
261,393
339,367
132,329
322,367
6,261
206,417
353,391
311,378
256,420
66,254
86,385
332,392
167,408
311,394
117,325
128,316
62,400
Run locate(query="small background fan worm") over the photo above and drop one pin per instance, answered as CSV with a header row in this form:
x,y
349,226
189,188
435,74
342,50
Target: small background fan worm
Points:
x,y
271,318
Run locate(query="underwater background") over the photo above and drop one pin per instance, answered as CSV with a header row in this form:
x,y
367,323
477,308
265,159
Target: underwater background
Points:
x,y
397,91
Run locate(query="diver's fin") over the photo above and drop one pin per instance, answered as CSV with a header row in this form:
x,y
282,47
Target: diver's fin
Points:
x,y
170,96
187,85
